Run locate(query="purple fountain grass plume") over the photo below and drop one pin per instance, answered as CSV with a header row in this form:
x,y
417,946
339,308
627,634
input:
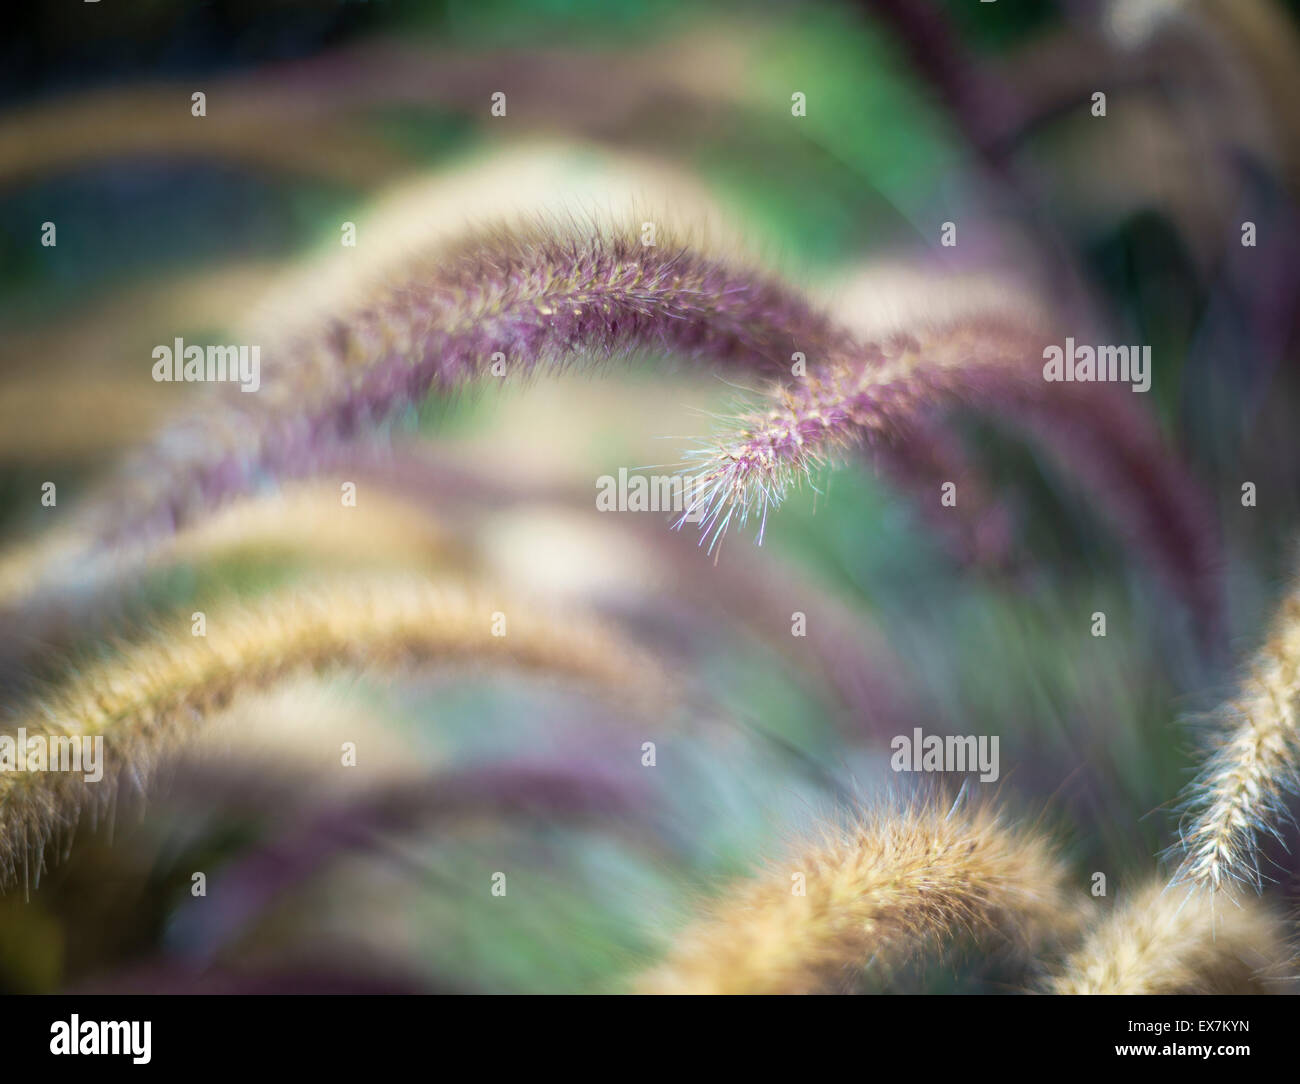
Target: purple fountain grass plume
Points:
x,y
857,401
990,364
528,300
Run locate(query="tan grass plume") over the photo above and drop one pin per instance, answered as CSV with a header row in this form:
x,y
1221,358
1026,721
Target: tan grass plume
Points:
x,y
1241,793
878,892
1172,941
154,692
